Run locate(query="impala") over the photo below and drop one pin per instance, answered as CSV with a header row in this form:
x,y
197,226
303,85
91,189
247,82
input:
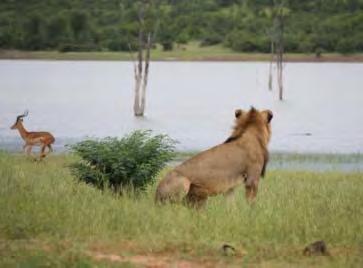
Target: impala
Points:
x,y
42,139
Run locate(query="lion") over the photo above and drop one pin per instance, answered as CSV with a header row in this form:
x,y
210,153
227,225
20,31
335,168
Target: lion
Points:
x,y
241,159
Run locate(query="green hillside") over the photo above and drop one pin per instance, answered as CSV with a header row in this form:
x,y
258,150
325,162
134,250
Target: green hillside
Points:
x,y
242,25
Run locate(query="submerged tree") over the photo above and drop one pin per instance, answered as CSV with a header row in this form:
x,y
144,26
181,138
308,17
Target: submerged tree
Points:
x,y
278,14
141,69
147,30
270,69
281,14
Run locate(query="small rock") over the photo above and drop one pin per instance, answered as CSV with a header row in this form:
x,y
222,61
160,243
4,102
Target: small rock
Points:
x,y
316,248
228,250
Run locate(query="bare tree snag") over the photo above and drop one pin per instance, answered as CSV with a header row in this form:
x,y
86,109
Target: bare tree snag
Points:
x,y
146,73
141,70
280,51
270,77
278,12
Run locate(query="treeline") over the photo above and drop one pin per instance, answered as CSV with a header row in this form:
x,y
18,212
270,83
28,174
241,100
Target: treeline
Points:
x,y
243,25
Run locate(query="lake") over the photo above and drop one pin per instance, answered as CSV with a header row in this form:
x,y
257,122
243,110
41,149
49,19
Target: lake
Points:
x,y
192,102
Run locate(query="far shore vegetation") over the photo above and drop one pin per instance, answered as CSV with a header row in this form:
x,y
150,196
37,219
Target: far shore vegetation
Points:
x,y
239,30
188,52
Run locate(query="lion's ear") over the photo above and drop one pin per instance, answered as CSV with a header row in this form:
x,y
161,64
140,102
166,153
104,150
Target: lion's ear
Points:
x,y
269,115
238,113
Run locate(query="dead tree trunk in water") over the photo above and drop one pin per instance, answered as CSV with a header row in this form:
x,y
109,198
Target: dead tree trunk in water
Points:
x,y
146,73
278,12
141,78
141,71
270,78
280,53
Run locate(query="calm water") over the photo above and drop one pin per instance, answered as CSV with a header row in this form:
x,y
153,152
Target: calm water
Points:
x,y
192,102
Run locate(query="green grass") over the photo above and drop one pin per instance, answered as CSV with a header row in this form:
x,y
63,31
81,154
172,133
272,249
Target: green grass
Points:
x,y
189,52
48,218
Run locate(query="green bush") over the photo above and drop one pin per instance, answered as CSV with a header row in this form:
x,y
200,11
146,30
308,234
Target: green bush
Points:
x,y
211,39
71,47
132,161
182,38
346,46
243,41
305,45
291,43
167,45
166,39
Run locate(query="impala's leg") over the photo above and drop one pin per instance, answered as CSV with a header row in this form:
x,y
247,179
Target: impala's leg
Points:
x,y
28,149
42,152
50,148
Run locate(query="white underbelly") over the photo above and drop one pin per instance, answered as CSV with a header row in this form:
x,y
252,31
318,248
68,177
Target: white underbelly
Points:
x,y
36,142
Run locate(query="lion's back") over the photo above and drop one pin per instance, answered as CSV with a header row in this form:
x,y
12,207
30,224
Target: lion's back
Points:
x,y
221,161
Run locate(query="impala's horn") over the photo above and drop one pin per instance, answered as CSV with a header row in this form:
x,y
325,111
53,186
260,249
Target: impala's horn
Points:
x,y
22,115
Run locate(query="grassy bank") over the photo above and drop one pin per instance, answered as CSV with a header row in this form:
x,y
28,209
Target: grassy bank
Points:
x,y
190,52
48,218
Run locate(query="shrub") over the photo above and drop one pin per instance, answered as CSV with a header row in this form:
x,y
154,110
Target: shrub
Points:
x,y
305,45
182,38
211,39
132,161
318,52
242,41
166,38
291,43
75,47
121,43
167,45
346,46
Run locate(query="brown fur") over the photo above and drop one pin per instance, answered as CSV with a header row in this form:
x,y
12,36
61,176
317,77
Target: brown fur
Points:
x,y
242,158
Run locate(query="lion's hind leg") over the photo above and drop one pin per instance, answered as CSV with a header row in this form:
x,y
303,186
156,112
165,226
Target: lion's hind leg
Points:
x,y
172,188
196,198
251,185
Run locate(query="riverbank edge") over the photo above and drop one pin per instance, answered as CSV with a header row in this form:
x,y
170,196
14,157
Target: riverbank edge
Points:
x,y
288,161
177,56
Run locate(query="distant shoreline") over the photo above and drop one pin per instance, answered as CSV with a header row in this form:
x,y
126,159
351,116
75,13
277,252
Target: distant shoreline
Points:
x,y
177,55
312,162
